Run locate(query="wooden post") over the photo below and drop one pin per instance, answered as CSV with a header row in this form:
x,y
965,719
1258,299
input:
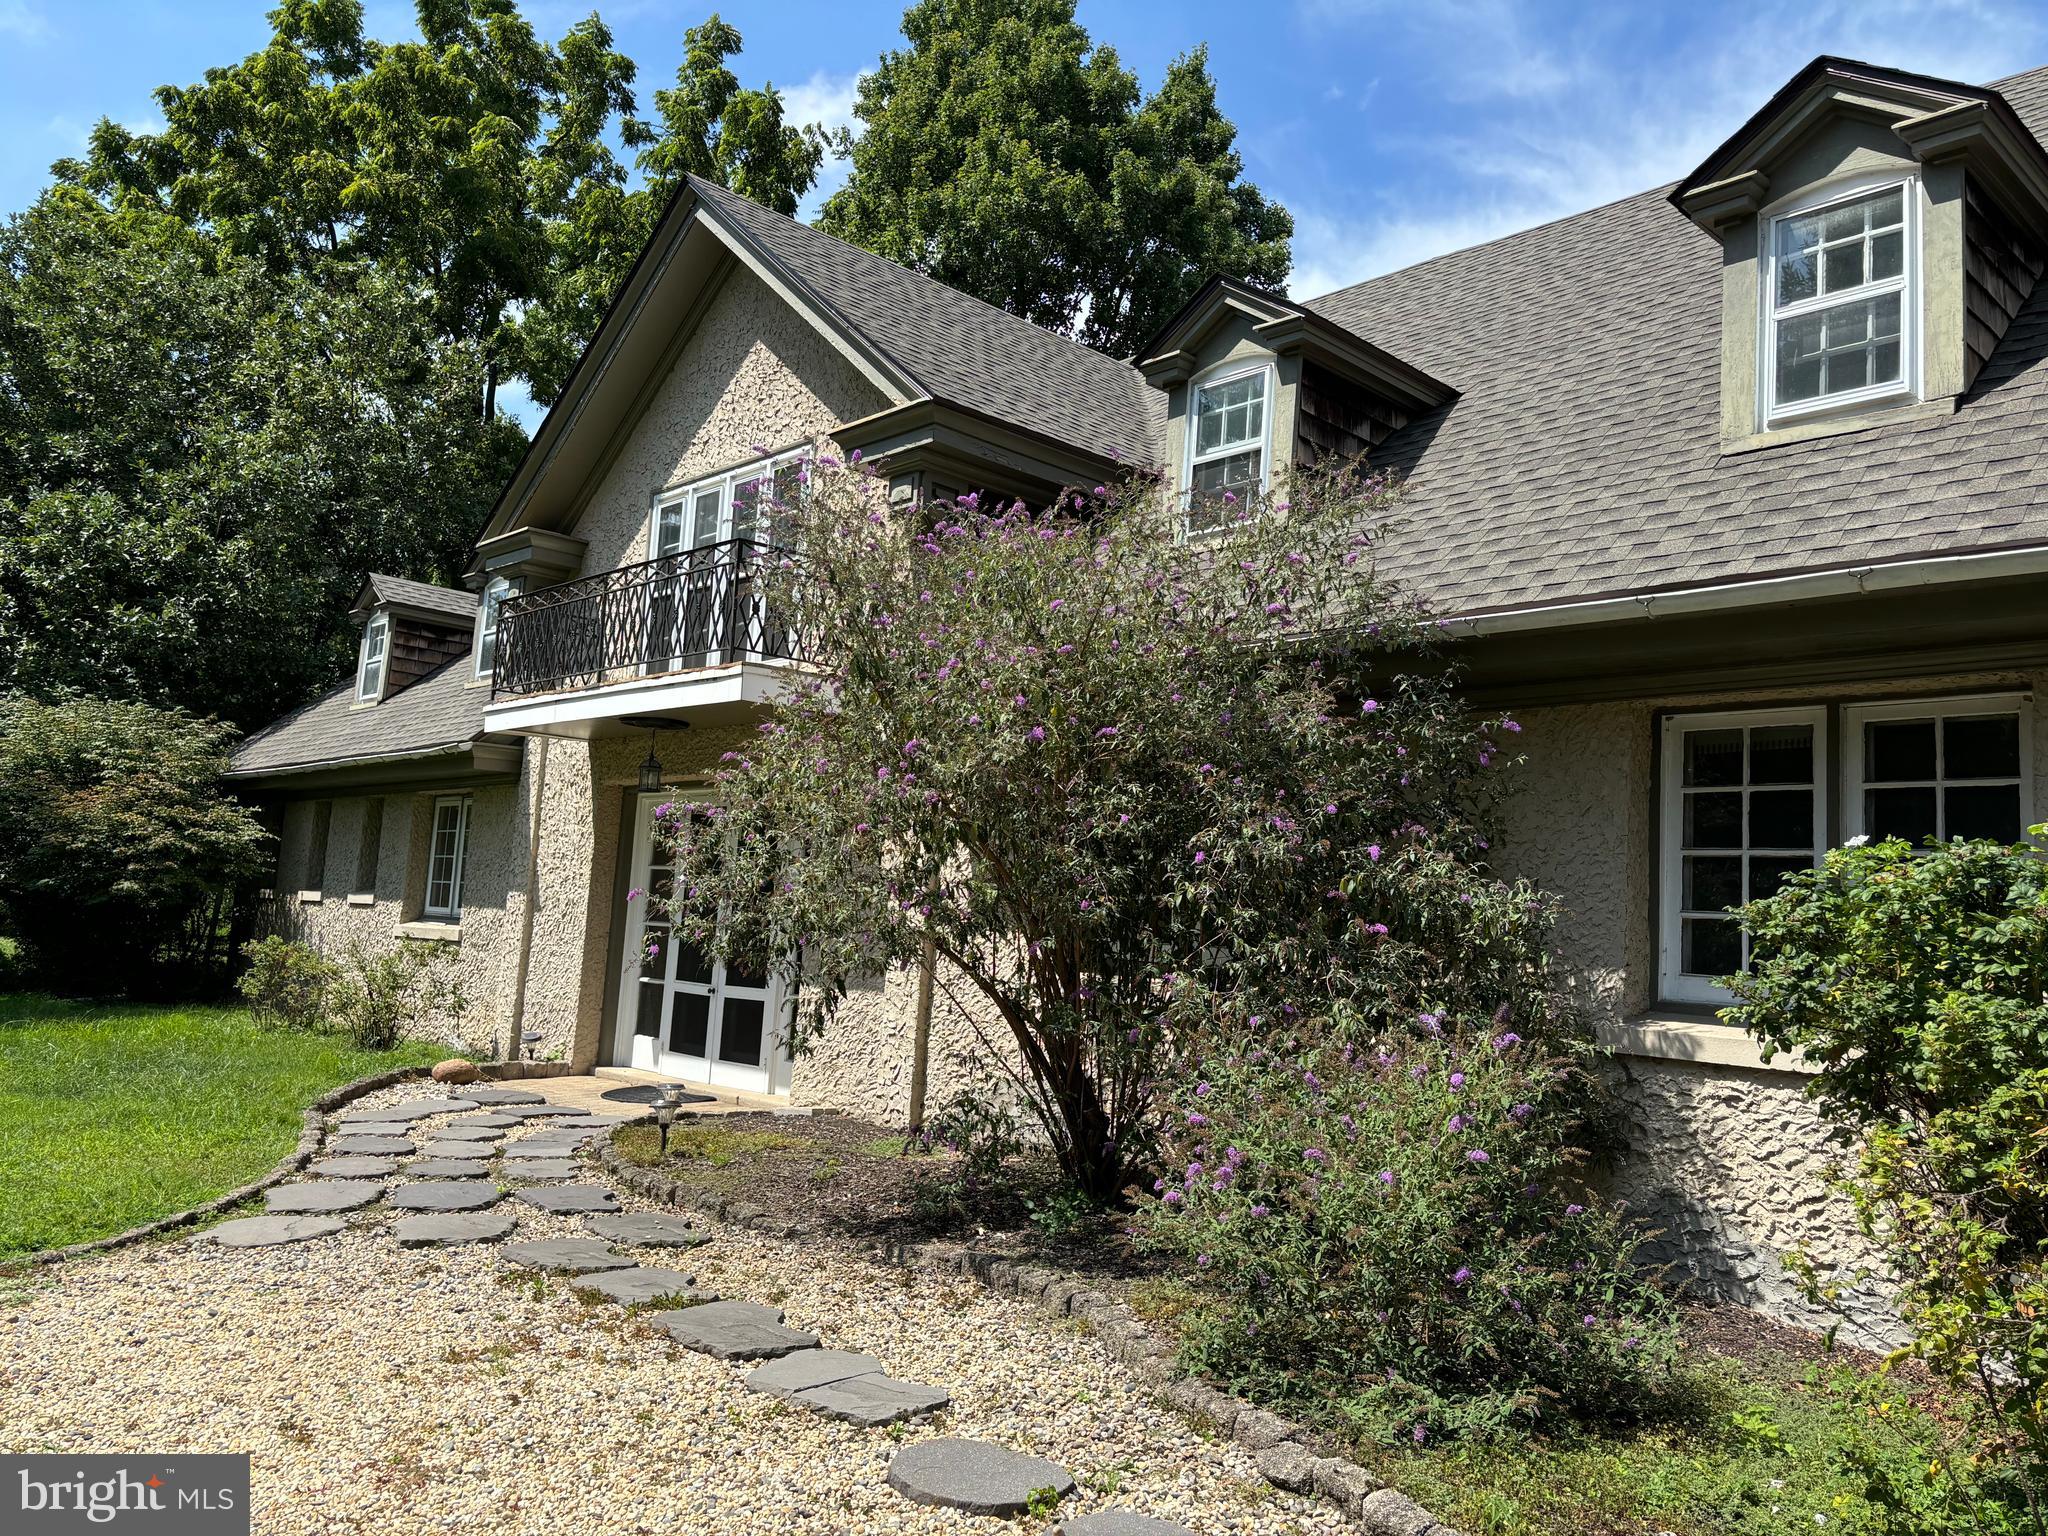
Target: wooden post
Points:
x,y
921,1036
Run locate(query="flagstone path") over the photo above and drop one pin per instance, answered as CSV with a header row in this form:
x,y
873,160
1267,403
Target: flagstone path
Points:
x,y
450,1164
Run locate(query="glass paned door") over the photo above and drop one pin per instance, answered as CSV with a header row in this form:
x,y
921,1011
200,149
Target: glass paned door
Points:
x,y
680,1011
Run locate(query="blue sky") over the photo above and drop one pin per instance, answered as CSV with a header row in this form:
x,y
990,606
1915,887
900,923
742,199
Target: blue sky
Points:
x,y
1394,131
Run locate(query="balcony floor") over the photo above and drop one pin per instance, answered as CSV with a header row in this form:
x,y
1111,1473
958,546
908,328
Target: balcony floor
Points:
x,y
734,691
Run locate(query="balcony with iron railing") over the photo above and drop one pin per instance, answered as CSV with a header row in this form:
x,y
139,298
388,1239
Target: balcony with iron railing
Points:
x,y
700,608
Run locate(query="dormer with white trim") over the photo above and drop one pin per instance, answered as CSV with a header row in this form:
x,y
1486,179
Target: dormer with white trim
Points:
x,y
1878,230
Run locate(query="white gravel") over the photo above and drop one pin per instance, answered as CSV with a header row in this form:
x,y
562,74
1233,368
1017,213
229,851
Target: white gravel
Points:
x,y
387,1390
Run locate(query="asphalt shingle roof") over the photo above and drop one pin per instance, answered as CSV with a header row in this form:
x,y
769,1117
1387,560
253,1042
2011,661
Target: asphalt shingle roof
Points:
x,y
440,712
407,593
958,348
1582,458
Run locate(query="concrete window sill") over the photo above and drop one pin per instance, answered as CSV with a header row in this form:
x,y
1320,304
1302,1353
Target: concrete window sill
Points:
x,y
442,933
361,899
1660,1036
309,898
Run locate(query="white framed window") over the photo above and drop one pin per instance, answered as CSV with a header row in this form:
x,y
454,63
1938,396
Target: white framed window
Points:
x,y
1939,768
446,852
495,591
370,669
1229,448
1840,291
1744,804
739,504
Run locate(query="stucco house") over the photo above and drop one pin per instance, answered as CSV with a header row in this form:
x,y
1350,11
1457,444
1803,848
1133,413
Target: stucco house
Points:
x,y
1734,490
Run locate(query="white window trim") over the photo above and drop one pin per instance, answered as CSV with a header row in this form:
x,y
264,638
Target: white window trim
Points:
x,y
379,625
1224,373
487,623
1855,716
725,481
1672,984
1769,412
451,910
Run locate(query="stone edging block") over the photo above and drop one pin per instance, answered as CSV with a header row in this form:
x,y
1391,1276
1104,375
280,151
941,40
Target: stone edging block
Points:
x,y
1278,1444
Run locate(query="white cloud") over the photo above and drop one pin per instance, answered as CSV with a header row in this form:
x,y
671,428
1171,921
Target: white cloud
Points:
x,y
826,99
20,19
1525,138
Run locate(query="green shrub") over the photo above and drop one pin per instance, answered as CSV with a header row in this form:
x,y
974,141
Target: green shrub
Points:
x,y
113,832
287,984
1393,1222
1917,982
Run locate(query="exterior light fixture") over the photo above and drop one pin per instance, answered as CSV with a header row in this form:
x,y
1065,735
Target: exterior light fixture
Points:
x,y
650,769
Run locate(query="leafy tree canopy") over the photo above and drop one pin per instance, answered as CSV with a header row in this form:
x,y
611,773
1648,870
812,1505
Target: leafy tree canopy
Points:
x,y
476,163
1006,155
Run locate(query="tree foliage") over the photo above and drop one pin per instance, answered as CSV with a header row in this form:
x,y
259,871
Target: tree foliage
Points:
x,y
475,164
199,460
1104,769
1005,154
1917,982
113,829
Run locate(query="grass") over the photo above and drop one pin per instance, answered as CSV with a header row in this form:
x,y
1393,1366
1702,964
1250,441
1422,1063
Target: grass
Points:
x,y
1765,1446
704,1141
113,1115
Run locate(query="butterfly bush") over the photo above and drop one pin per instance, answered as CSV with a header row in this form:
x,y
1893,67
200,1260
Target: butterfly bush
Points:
x,y
1104,769
1389,1215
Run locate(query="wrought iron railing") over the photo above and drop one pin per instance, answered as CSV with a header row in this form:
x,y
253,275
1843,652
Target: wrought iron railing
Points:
x,y
701,607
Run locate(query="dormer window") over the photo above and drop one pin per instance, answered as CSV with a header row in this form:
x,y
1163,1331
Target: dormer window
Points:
x,y
1840,301
496,590
1228,450
370,672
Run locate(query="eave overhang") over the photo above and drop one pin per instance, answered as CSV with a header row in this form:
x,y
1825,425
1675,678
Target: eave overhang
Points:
x,y
1936,121
974,450
1286,329
451,765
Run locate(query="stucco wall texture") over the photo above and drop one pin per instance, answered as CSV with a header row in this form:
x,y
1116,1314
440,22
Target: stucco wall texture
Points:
x,y
1727,1162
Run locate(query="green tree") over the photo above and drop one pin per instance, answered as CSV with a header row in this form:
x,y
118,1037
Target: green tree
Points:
x,y
1101,768
475,163
199,459
113,830
1006,155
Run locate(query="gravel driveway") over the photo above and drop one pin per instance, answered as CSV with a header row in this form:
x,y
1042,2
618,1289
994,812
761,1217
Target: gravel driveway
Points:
x,y
391,1390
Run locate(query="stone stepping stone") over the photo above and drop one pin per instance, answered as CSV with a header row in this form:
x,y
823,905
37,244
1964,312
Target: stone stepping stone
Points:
x,y
539,1146
483,1122
353,1167
809,1368
542,1168
457,1227
638,1286
649,1229
454,1195
1119,1522
412,1109
872,1401
447,1167
371,1146
568,1255
539,1109
495,1096
320,1199
734,1330
468,1150
372,1128
570,1199
469,1130
270,1231
973,1475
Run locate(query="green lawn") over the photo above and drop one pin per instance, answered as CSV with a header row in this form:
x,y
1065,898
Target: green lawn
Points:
x,y
113,1115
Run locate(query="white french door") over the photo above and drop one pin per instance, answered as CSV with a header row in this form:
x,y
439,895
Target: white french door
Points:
x,y
680,1011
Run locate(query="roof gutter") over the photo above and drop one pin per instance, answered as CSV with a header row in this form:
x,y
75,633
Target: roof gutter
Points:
x,y
1851,581
373,760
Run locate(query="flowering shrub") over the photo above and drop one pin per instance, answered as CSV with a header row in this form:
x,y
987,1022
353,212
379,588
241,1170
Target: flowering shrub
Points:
x,y
1094,761
1392,1219
1917,981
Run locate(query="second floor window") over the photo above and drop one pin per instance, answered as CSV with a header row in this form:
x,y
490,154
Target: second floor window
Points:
x,y
376,641
1840,292
1227,426
496,590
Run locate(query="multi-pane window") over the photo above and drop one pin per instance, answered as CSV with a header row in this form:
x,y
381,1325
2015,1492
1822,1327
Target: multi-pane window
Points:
x,y
496,590
376,642
1227,451
445,853
737,505
1841,301
1936,770
1744,807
